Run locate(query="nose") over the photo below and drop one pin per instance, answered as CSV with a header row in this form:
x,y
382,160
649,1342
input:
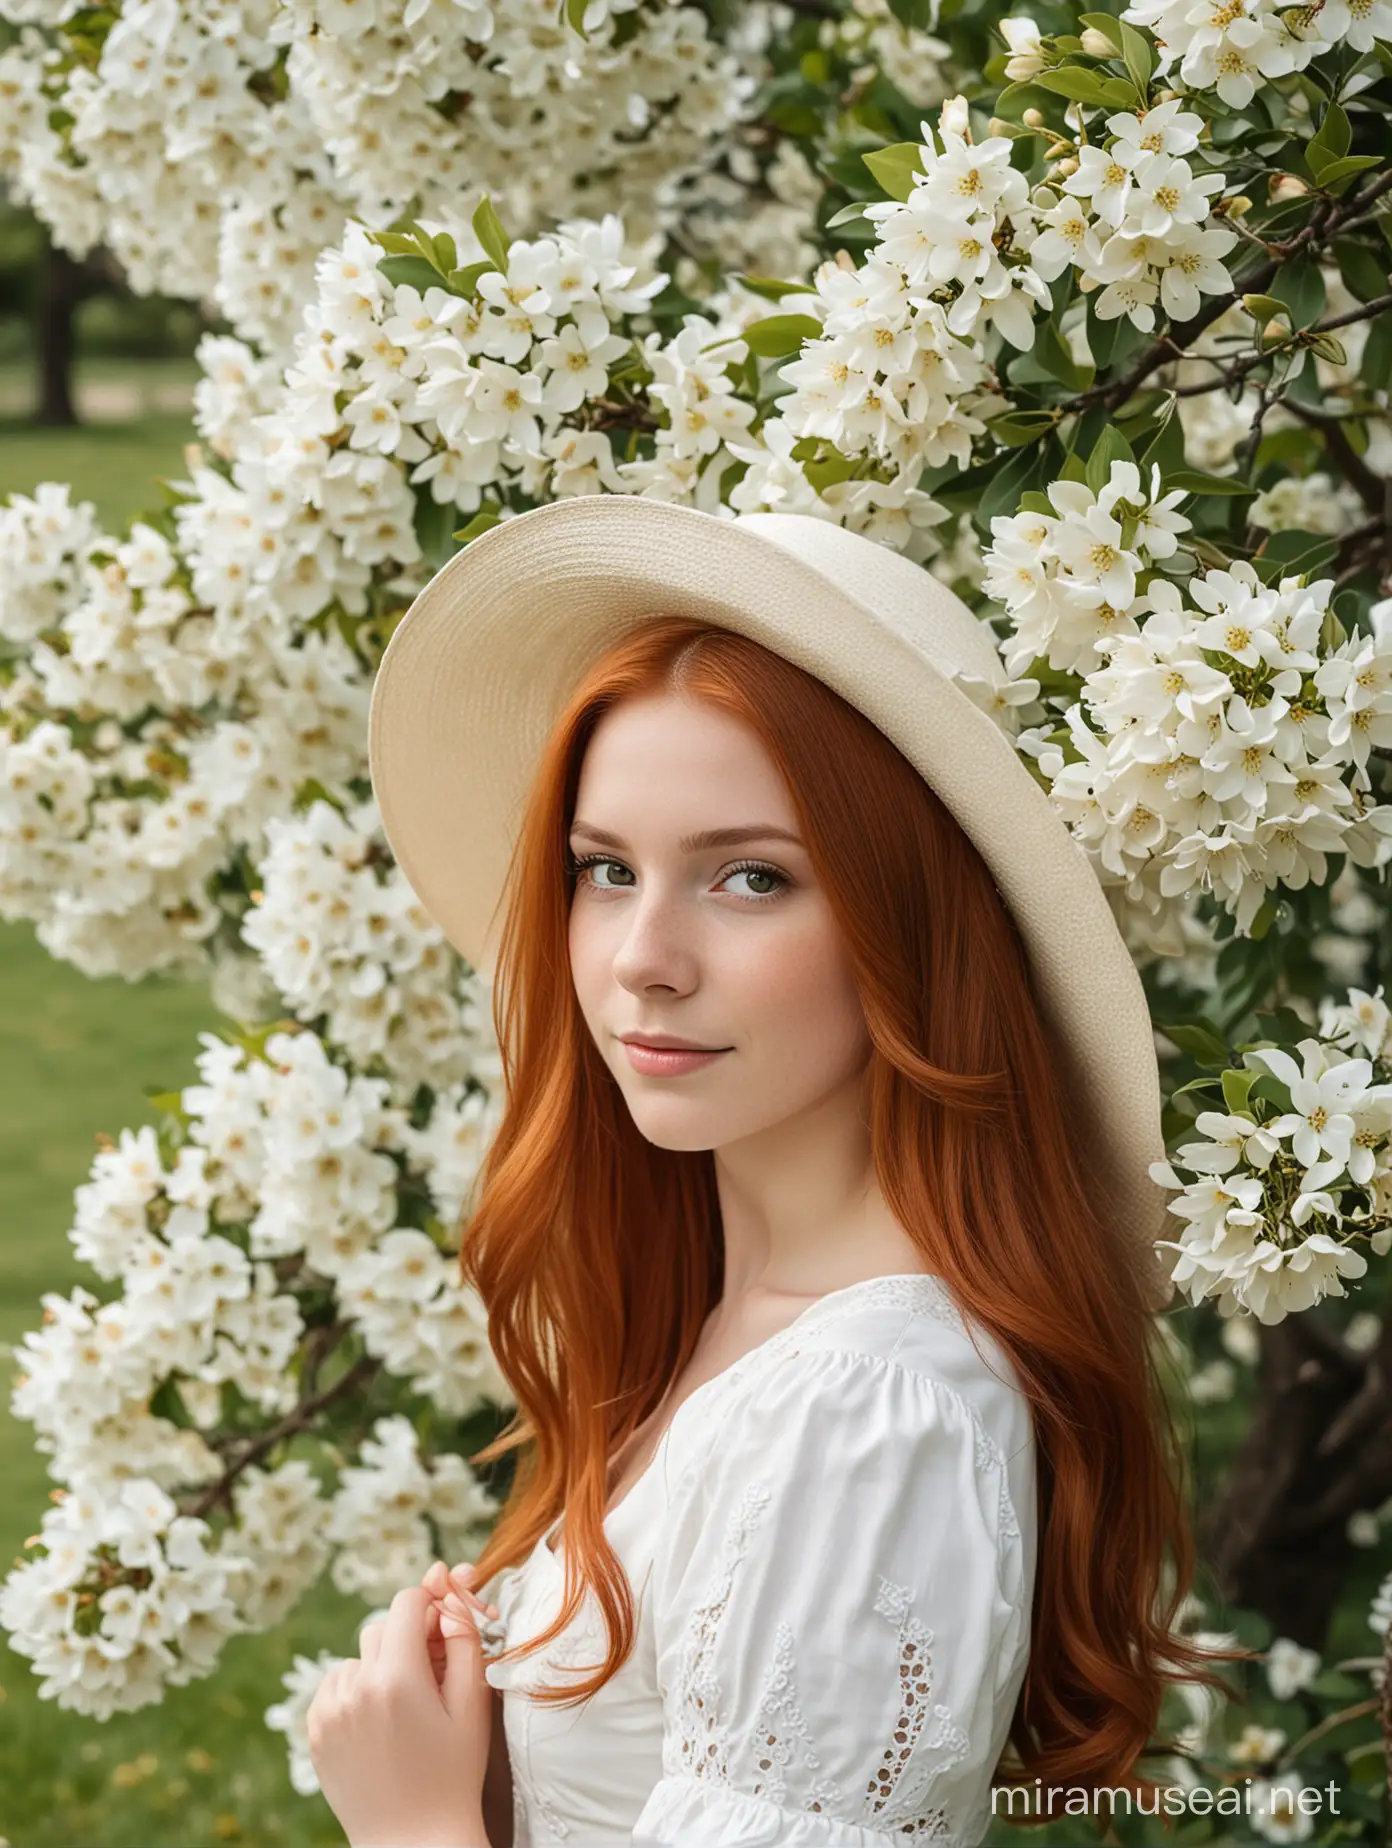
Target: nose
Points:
x,y
656,949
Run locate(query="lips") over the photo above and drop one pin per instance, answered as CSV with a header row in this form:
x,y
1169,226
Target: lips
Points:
x,y
658,1044
668,1061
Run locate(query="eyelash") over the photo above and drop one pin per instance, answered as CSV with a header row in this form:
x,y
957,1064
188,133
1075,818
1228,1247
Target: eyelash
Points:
x,y
577,866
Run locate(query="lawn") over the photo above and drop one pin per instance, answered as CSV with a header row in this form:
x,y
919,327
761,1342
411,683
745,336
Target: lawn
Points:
x,y
77,1054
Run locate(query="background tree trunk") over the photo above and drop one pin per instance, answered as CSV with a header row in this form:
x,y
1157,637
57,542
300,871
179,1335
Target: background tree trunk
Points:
x,y
1319,1449
62,286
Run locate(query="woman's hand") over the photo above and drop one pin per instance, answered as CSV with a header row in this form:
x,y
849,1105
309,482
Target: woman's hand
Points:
x,y
399,1737
451,1600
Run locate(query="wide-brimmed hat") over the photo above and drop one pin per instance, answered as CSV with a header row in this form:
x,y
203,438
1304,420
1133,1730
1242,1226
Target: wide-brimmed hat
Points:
x,y
478,669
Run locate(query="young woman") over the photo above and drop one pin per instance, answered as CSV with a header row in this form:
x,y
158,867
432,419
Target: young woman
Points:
x,y
817,1235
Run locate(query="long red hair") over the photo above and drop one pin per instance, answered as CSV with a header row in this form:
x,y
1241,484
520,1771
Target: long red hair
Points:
x,y
978,1149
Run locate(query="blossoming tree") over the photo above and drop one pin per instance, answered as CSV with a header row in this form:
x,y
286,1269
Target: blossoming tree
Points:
x,y
1086,313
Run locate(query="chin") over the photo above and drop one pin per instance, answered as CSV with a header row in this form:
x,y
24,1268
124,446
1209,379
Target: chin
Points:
x,y
664,1132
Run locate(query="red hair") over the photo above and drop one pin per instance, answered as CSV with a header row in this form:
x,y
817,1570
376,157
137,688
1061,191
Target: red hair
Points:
x,y
979,1151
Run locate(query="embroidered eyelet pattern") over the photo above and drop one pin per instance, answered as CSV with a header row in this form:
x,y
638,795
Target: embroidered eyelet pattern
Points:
x,y
780,1727
897,1801
698,1745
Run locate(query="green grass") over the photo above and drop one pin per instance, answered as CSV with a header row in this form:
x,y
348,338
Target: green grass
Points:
x,y
113,465
201,1768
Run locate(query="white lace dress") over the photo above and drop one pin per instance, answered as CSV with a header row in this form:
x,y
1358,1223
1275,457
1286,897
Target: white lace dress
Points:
x,y
832,1557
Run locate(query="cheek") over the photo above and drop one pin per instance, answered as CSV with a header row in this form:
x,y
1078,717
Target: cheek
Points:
x,y
801,1000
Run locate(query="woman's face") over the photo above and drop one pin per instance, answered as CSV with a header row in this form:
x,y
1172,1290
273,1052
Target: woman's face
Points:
x,y
693,941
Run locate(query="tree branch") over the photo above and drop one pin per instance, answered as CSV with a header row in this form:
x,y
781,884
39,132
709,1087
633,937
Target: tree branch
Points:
x,y
1371,488
289,1426
1322,227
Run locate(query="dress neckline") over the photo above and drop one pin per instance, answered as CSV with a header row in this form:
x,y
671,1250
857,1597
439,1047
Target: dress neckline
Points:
x,y
936,1288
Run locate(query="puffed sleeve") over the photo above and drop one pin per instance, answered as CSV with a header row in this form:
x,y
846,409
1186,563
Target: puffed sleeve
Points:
x,y
841,1610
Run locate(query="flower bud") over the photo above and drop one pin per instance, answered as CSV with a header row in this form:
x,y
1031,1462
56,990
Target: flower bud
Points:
x,y
1066,167
1034,118
954,119
1236,207
1096,44
1285,186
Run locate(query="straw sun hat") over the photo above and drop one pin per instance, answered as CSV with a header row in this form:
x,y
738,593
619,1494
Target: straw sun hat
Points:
x,y
479,667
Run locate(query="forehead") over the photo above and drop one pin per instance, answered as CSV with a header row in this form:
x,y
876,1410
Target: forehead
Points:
x,y
666,759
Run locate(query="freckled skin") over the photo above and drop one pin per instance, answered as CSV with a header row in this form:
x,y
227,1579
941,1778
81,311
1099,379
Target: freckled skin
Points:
x,y
677,943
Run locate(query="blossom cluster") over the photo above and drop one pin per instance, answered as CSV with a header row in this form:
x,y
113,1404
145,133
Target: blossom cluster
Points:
x,y
216,149
1267,1227
1221,739
956,233
289,1181
342,937
1237,47
1133,218
394,1513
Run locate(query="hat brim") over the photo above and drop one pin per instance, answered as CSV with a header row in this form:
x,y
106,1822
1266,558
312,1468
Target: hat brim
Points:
x,y
478,669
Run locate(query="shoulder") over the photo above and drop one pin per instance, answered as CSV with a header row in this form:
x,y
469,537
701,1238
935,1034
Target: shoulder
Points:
x,y
891,1342
886,1393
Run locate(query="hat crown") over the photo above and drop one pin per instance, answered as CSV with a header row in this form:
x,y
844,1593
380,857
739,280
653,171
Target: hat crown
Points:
x,y
906,597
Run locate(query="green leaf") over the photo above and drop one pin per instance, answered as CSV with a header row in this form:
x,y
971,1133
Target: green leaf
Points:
x,y
772,289
895,167
1016,98
575,16
412,271
1376,368
1195,481
1293,554
1073,468
398,243
825,471
1166,447
1104,23
1015,428
1111,447
1139,55
1330,142
828,471
1334,176
780,334
1021,474
1201,1040
445,255
1236,1086
465,281
1081,86
1299,287
487,516
917,15
490,233
1360,269
1078,85
1053,354
847,215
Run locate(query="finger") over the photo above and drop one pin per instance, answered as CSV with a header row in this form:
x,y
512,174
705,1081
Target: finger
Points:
x,y
404,1647
463,1664
370,1639
463,1579
437,1579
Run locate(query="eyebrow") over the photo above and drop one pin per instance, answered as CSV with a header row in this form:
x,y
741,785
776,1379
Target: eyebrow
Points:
x,y
696,843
